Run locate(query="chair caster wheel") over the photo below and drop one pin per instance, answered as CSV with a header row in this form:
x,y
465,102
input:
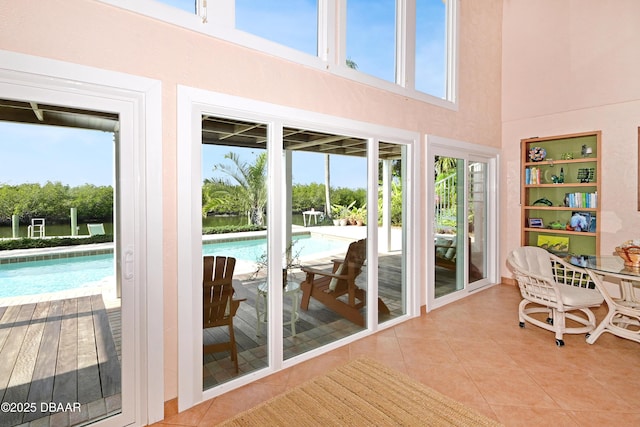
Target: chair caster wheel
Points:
x,y
587,336
550,320
521,324
559,343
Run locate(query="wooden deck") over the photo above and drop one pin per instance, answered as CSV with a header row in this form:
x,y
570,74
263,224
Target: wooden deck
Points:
x,y
59,352
316,326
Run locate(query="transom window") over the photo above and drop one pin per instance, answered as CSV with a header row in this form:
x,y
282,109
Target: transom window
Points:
x,y
403,46
371,37
431,49
292,23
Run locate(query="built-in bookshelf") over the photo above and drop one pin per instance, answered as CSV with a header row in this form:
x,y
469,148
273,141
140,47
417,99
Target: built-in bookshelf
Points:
x,y
560,192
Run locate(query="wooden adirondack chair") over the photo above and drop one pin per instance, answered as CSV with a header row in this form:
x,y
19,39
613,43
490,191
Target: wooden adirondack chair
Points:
x,y
219,307
329,286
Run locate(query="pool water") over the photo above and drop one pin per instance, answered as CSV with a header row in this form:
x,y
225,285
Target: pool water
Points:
x,y
37,277
253,250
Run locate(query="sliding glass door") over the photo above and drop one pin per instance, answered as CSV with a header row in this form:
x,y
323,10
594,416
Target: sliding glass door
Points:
x,y
314,215
462,230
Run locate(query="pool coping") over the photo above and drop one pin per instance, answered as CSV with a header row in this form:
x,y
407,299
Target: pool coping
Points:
x,y
41,254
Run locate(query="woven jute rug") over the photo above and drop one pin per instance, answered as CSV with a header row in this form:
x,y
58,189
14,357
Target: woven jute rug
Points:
x,y
361,393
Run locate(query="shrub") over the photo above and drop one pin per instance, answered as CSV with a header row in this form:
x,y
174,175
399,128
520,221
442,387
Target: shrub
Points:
x,y
27,243
232,229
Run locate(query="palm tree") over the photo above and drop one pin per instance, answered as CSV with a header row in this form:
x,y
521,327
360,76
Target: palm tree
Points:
x,y
251,180
327,183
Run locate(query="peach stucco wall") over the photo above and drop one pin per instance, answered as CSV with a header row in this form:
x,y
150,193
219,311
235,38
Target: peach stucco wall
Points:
x,y
572,66
99,35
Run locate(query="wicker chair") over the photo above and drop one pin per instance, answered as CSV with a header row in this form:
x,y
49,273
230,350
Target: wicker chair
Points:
x,y
550,285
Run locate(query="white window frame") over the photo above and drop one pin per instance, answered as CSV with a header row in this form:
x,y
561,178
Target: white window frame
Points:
x,y
137,100
216,18
192,103
437,145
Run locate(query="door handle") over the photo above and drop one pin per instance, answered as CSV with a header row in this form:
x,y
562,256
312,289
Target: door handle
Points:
x,y
128,264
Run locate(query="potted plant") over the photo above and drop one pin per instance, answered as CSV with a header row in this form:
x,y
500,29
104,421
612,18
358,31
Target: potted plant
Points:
x,y
359,215
291,261
342,213
336,210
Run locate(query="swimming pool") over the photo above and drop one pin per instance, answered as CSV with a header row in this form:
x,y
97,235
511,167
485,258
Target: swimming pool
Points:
x,y
36,277
252,250
54,275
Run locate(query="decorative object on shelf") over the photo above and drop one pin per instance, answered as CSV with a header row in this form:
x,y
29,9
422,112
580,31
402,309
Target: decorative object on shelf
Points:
x,y
554,244
566,156
556,225
536,223
586,151
586,174
537,154
580,221
629,251
543,201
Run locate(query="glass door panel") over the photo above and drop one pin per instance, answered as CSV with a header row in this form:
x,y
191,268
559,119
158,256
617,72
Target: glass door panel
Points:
x,y
391,236
60,306
477,221
325,179
234,203
449,225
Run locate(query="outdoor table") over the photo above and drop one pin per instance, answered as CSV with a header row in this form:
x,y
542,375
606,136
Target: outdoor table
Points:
x,y
292,289
311,214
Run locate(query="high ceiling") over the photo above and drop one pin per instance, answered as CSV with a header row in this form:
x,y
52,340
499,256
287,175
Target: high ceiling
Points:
x,y
215,130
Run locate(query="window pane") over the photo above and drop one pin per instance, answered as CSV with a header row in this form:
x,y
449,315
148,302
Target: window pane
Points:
x,y
51,186
188,5
326,184
431,58
392,284
449,225
234,201
293,23
371,30
477,217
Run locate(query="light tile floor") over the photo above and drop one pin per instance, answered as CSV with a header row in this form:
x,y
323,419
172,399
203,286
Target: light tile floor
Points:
x,y
473,351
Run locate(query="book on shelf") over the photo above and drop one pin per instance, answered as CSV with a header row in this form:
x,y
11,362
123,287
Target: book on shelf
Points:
x,y
581,200
532,176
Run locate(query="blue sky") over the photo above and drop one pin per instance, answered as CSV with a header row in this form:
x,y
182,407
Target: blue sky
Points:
x,y
37,154
74,157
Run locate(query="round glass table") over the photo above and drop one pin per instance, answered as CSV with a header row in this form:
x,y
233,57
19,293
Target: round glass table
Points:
x,y
612,265
623,318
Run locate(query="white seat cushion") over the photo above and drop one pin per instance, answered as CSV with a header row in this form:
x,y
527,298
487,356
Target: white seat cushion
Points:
x,y
575,296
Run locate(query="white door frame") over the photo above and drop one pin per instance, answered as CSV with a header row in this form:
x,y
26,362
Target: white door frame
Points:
x,y
137,101
192,103
440,146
